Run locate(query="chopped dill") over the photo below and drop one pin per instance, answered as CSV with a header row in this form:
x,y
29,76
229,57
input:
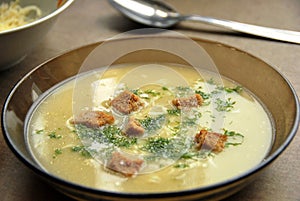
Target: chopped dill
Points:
x,y
204,95
237,89
114,135
165,89
152,92
234,138
39,131
224,106
151,124
175,112
57,152
182,91
108,134
181,165
156,145
136,91
196,155
77,148
191,120
183,88
142,93
53,135
164,147
82,150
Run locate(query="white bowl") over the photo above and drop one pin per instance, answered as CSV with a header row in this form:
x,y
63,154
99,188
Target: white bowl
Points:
x,y
17,42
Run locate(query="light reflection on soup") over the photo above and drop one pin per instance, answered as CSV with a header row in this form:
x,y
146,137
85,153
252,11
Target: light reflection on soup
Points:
x,y
181,131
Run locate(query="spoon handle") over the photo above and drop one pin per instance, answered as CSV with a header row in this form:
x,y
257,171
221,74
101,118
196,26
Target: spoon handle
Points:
x,y
277,34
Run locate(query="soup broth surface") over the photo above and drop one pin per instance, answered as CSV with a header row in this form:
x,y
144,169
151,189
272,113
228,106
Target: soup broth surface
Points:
x,y
167,155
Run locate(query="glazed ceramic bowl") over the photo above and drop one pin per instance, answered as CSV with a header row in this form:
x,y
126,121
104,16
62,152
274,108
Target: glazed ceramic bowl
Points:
x,y
256,75
17,42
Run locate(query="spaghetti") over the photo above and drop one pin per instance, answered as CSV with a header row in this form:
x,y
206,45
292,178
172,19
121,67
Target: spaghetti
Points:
x,y
13,15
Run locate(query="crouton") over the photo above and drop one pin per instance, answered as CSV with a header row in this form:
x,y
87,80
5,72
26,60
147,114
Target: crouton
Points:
x,y
126,102
124,165
188,102
210,141
134,128
93,119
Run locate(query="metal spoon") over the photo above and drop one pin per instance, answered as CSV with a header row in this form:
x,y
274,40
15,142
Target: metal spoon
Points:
x,y
158,14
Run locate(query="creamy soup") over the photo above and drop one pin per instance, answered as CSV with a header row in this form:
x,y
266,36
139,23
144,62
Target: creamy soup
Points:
x,y
148,128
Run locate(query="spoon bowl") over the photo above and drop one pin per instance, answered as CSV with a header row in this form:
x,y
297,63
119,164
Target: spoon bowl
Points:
x,y
151,13
161,15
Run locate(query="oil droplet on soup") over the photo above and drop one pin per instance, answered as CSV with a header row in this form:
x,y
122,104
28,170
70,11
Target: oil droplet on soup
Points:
x,y
148,128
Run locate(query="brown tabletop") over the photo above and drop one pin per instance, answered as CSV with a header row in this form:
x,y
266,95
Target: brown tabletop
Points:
x,y
88,21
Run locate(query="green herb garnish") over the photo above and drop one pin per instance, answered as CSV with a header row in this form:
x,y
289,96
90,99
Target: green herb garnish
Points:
x,y
57,152
82,150
157,145
205,96
39,131
233,138
175,112
171,148
191,120
237,89
151,124
165,89
181,165
151,92
224,106
196,155
53,135
110,134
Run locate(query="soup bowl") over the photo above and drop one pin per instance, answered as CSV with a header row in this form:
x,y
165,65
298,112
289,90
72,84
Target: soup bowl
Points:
x,y
261,79
17,42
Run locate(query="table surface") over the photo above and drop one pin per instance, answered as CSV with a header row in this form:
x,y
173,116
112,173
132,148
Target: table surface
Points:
x,y
89,21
